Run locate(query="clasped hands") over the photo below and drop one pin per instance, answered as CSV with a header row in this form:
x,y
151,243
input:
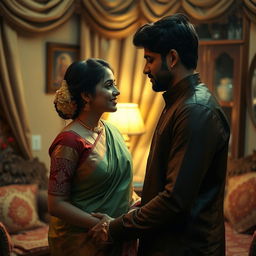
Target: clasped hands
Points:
x,y
99,233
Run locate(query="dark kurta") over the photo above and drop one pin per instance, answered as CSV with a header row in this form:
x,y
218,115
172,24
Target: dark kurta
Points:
x,y
182,199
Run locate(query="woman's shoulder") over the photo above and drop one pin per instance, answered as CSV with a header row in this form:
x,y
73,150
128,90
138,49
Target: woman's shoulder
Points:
x,y
69,139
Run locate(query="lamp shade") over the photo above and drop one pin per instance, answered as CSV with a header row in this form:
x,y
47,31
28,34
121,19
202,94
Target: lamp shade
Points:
x,y
127,119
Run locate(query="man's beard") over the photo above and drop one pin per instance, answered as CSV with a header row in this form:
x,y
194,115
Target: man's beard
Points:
x,y
163,80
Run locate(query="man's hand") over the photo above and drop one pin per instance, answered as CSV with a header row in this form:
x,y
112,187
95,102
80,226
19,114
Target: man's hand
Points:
x,y
99,233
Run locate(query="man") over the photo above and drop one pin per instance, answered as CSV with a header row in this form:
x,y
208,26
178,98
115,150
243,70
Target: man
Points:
x,y
181,210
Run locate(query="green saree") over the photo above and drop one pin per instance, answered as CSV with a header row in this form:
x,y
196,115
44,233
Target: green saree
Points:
x,y
96,174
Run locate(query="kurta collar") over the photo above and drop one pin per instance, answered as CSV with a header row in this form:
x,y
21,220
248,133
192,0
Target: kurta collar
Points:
x,y
175,91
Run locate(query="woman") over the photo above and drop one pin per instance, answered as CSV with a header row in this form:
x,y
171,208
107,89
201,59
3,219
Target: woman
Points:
x,y
91,168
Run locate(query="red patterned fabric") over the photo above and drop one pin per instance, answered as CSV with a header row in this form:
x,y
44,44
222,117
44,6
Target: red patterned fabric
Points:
x,y
61,174
18,207
70,139
236,244
31,241
67,150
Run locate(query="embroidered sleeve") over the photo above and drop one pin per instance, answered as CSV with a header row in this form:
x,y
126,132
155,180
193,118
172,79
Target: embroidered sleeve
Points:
x,y
61,173
66,152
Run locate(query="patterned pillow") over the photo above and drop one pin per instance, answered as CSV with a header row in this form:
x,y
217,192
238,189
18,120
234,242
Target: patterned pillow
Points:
x,y
18,207
240,202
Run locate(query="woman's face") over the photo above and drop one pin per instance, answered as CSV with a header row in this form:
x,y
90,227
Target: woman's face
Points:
x,y
105,98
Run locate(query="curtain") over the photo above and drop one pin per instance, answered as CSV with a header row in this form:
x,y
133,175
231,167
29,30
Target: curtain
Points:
x,y
250,9
117,19
113,19
26,17
128,63
11,92
36,16
207,9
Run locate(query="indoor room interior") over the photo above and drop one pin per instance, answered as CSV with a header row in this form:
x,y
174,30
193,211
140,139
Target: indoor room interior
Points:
x,y
40,38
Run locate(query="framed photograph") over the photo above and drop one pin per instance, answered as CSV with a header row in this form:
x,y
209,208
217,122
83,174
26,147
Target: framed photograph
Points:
x,y
59,57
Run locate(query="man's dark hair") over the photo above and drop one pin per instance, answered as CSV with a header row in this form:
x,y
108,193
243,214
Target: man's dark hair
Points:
x,y
171,32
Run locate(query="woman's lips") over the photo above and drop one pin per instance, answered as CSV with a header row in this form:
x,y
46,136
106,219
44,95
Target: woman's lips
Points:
x,y
114,101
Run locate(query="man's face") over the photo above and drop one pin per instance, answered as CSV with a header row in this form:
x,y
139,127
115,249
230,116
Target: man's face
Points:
x,y
157,70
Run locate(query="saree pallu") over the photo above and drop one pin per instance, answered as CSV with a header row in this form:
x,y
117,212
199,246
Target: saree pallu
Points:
x,y
96,174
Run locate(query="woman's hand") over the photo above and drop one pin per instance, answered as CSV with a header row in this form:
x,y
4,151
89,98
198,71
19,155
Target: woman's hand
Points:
x,y
99,233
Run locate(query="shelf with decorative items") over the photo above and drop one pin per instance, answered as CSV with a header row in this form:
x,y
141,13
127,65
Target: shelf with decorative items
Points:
x,y
222,64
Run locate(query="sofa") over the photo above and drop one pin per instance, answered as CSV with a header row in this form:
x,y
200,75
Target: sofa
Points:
x,y
23,206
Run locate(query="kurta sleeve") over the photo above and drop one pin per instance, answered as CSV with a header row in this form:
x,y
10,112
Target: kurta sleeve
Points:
x,y
198,133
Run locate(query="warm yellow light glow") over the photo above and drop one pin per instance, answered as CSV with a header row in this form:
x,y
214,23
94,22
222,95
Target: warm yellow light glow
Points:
x,y
127,119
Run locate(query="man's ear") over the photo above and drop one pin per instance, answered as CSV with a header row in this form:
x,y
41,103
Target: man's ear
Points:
x,y
172,58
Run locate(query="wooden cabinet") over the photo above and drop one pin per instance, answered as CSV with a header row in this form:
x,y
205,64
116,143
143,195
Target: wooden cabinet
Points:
x,y
223,65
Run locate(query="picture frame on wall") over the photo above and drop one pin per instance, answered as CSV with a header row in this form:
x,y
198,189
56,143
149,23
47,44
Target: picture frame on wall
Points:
x,y
59,57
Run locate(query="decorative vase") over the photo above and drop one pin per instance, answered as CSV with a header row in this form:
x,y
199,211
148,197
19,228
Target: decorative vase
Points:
x,y
225,89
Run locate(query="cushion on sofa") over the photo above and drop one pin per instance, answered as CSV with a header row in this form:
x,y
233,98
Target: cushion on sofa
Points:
x,y
240,202
32,242
18,207
236,244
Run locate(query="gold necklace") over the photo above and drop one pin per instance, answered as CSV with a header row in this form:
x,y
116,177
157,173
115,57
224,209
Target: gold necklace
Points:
x,y
96,129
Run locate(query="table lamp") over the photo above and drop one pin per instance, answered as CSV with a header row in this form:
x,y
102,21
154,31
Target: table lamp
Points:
x,y
128,120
